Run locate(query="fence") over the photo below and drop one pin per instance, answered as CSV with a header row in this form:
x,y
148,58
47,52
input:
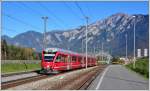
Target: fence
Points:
x,y
20,61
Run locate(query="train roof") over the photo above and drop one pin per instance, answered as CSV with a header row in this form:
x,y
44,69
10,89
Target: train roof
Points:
x,y
62,50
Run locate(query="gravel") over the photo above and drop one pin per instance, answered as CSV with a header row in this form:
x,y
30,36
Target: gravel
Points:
x,y
55,82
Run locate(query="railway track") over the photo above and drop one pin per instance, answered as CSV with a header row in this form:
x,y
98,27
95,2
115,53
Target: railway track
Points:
x,y
14,83
89,80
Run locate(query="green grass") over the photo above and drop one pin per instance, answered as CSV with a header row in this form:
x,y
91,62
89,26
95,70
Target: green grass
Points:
x,y
141,67
16,67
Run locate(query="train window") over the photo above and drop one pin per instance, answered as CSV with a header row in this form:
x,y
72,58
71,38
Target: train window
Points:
x,y
69,59
84,59
58,59
48,58
61,58
74,59
49,52
80,59
66,58
88,59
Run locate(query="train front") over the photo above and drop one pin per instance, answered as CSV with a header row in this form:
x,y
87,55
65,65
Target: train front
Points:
x,y
47,63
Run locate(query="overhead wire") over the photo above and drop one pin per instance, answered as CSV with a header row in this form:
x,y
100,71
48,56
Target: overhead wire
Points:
x,y
20,21
89,12
84,15
73,12
4,28
51,13
34,11
38,13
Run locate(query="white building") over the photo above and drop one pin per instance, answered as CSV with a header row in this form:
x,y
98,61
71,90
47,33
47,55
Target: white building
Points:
x,y
138,53
145,52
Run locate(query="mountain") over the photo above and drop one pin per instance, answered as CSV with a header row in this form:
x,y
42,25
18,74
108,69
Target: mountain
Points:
x,y
110,31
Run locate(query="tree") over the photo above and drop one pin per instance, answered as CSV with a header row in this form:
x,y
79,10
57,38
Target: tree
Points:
x,y
4,49
115,60
11,52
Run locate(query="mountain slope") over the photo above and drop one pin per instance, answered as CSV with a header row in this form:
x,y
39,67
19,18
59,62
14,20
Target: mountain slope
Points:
x,y
111,31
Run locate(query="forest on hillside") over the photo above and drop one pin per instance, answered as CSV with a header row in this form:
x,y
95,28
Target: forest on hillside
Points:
x,y
11,52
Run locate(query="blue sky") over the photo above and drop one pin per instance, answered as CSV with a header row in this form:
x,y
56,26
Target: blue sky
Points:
x,y
19,17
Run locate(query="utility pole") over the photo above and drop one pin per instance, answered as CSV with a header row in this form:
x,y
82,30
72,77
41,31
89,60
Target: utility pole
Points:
x,y
126,47
68,47
94,51
134,44
86,37
99,47
102,51
45,23
82,46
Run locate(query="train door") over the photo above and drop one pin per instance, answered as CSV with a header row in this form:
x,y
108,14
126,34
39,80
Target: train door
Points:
x,y
69,62
84,61
73,61
81,61
61,61
90,60
78,62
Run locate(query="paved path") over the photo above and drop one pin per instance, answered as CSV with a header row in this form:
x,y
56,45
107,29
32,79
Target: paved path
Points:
x,y
117,77
20,76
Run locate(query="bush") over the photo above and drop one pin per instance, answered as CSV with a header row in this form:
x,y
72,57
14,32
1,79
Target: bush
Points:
x,y
141,66
115,60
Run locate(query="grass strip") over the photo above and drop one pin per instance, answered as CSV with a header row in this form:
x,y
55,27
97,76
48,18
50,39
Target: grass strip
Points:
x,y
16,67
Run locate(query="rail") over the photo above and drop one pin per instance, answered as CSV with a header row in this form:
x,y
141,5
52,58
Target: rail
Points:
x,y
14,83
89,80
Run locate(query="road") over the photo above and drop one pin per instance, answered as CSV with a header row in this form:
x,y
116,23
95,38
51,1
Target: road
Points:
x,y
117,77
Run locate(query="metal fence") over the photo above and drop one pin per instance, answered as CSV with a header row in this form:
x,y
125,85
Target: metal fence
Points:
x,y
20,61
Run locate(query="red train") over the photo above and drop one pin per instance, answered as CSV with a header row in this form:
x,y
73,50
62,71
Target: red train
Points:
x,y
56,60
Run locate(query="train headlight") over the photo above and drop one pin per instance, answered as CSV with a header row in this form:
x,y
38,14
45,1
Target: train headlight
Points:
x,y
47,66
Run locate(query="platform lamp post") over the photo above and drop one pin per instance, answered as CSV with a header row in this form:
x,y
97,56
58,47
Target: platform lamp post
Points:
x,y
134,59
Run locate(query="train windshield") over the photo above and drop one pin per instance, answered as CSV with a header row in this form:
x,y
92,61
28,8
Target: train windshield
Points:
x,y
48,57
